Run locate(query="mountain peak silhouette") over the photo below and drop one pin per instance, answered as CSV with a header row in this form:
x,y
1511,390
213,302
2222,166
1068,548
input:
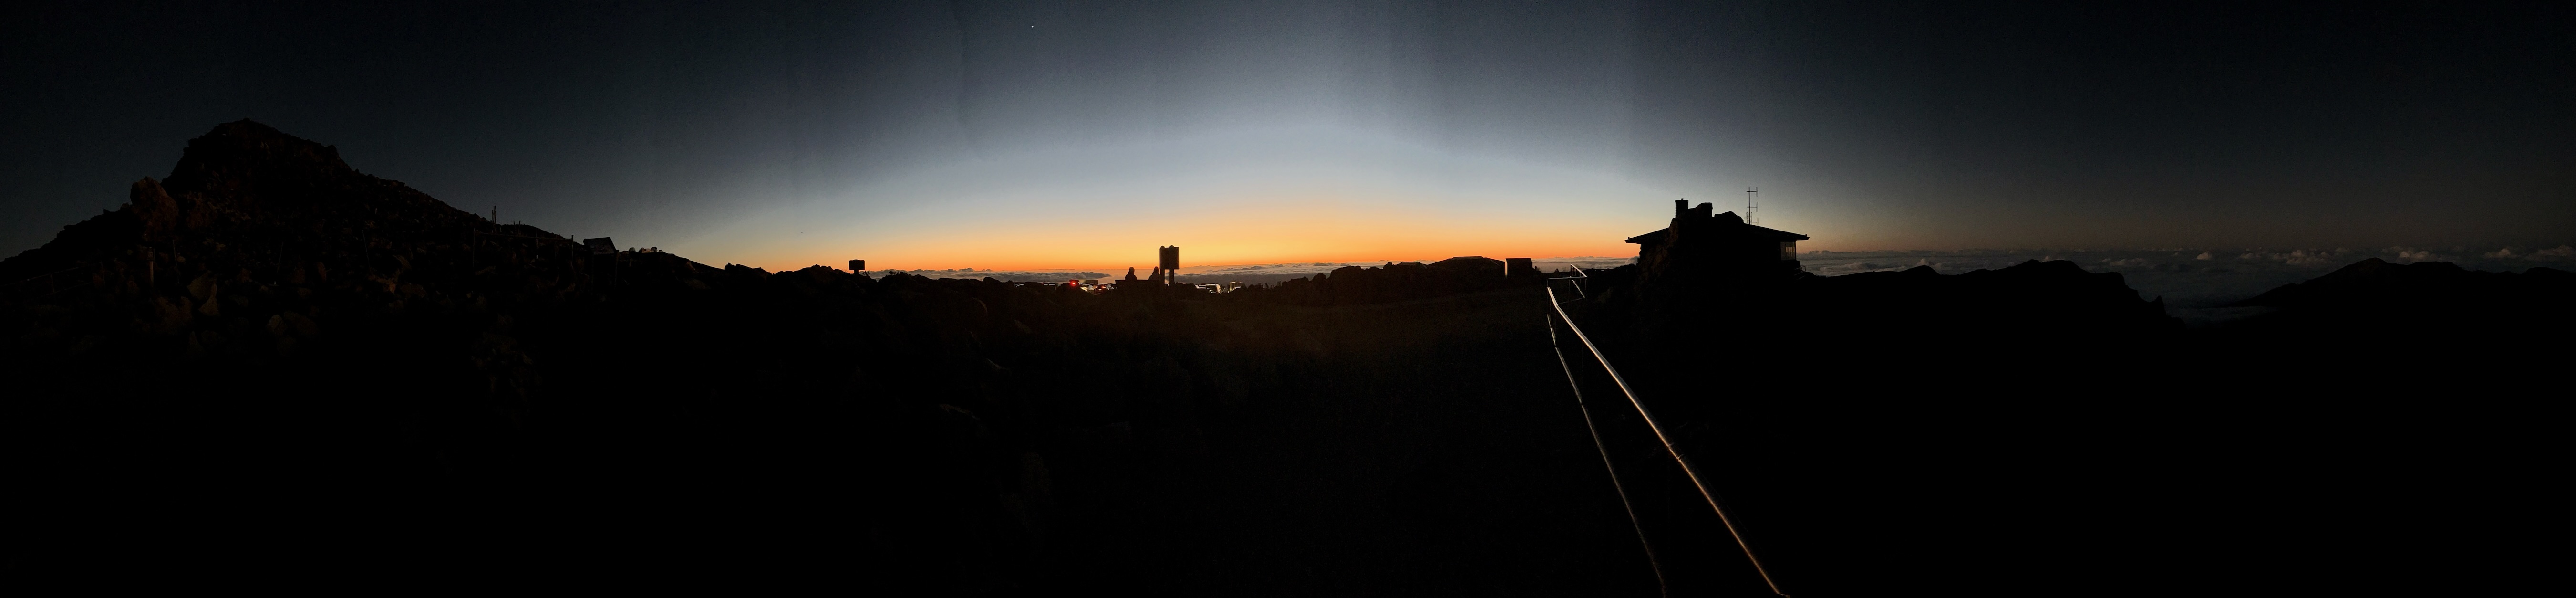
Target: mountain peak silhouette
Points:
x,y
2375,281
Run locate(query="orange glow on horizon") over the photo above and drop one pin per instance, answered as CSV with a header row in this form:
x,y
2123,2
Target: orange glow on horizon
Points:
x,y
1141,256
1042,250
1283,227
1310,232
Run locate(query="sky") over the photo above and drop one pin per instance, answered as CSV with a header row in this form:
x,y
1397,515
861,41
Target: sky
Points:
x,y
1040,135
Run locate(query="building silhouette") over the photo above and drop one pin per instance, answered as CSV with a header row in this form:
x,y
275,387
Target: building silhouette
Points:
x,y
1697,239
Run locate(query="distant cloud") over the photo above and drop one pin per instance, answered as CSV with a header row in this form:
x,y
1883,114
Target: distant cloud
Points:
x,y
2307,257
2204,256
1586,262
2417,255
2303,258
2129,262
2557,253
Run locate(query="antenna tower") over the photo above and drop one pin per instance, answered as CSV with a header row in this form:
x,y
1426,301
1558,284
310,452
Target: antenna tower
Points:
x,y
1749,204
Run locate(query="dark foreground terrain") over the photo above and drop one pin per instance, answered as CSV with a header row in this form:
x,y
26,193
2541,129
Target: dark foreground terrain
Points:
x,y
270,370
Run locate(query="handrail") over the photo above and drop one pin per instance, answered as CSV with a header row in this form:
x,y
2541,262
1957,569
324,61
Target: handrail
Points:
x,y
52,285
1577,279
1666,589
33,278
1687,468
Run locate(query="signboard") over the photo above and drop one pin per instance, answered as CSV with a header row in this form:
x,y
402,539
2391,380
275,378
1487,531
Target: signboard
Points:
x,y
1171,258
600,245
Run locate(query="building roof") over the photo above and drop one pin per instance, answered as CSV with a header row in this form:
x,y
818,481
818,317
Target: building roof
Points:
x,y
1733,229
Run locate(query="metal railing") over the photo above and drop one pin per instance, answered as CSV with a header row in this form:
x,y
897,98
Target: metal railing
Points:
x,y
1688,468
1661,586
52,287
1577,282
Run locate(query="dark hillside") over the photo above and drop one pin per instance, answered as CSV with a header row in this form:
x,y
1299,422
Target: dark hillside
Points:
x,y
2040,426
1906,424
269,364
2423,302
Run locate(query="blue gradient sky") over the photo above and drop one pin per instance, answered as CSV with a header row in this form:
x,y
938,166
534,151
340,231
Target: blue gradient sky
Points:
x,y
1082,134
